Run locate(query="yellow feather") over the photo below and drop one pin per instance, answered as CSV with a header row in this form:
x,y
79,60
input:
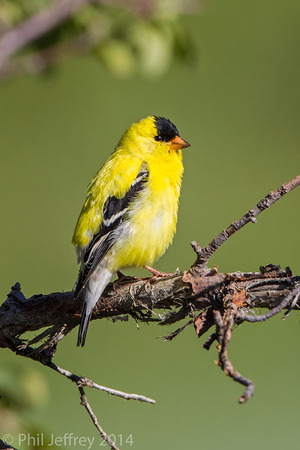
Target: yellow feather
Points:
x,y
114,178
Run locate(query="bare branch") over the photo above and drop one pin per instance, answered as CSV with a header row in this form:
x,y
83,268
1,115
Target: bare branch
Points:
x,y
203,254
90,32
37,62
36,26
61,311
285,301
6,446
175,333
84,402
223,335
85,382
45,357
221,299
82,382
239,293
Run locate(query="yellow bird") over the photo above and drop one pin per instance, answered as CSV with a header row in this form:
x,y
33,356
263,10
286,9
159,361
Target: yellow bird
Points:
x,y
130,212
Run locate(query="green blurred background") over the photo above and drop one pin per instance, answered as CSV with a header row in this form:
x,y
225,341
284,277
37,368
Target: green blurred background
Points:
x,y
239,108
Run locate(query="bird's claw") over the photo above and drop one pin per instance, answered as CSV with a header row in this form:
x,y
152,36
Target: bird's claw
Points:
x,y
123,278
159,274
155,275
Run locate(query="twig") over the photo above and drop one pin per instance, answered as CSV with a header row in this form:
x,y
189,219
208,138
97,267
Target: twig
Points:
x,y
37,62
264,282
223,332
203,254
84,402
82,381
45,357
175,333
36,26
261,318
208,343
293,305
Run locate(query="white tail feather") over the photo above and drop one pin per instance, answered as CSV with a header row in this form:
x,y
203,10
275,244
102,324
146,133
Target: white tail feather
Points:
x,y
92,292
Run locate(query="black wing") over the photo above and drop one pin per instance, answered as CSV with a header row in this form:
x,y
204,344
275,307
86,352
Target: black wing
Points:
x,y
113,215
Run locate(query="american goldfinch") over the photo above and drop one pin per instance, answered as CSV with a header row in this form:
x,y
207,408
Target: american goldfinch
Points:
x,y
130,212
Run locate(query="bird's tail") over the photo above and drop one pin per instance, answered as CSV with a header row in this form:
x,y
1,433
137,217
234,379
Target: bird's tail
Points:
x,y
92,292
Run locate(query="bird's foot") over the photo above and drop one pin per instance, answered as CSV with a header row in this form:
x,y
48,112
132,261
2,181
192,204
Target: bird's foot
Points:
x,y
155,275
159,274
123,278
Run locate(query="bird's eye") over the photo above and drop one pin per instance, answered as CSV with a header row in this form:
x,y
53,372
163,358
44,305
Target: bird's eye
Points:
x,y
158,138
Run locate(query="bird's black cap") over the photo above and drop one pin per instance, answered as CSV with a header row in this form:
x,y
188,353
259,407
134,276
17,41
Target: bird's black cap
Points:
x,y
166,130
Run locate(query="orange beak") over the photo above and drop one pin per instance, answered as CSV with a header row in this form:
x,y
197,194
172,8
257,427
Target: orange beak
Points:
x,y
177,143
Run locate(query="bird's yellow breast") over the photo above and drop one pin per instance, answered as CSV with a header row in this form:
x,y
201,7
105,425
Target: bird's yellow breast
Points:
x,y
152,217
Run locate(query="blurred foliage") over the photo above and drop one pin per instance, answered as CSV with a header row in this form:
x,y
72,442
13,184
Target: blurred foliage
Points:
x,y
23,393
126,37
